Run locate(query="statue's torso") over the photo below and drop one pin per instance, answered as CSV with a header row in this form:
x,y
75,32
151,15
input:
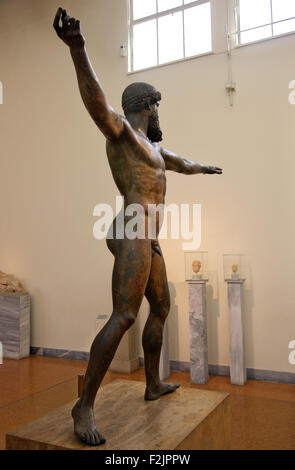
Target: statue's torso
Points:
x,y
138,168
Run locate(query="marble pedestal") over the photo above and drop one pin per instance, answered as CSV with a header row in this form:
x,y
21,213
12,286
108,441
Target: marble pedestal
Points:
x,y
238,373
198,332
15,325
184,420
126,360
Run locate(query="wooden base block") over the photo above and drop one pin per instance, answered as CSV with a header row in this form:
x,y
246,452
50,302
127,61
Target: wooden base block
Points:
x,y
186,419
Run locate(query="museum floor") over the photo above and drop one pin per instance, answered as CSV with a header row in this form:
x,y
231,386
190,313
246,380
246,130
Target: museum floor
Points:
x,y
262,414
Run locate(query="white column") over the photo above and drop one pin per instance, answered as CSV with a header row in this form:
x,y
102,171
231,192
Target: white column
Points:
x,y
198,332
238,373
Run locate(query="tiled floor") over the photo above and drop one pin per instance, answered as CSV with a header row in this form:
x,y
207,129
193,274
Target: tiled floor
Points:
x,y
262,414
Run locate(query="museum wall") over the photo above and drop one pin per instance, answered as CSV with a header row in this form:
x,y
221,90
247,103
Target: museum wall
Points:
x,y
54,171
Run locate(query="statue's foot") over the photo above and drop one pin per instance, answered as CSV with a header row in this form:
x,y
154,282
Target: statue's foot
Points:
x,y
84,425
162,389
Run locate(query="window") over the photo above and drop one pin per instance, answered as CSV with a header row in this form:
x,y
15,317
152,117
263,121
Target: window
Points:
x,y
163,31
262,19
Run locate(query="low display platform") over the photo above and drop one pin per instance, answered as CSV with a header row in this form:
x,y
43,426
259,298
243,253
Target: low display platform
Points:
x,y
187,419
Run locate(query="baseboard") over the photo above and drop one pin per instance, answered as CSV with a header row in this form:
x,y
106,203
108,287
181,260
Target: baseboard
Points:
x,y
181,366
271,376
60,353
224,371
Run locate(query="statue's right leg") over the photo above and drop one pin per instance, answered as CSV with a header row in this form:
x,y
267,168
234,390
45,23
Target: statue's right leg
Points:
x,y
130,275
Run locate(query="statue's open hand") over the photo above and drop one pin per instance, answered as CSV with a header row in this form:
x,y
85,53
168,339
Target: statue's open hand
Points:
x,y
213,170
69,30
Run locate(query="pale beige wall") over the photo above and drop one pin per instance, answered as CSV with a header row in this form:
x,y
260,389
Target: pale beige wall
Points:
x,y
54,171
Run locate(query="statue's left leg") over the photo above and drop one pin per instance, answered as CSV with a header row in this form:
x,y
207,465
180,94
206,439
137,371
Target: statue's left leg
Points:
x,y
157,294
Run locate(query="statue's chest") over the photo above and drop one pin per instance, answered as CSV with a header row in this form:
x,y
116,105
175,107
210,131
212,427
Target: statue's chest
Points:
x,y
150,154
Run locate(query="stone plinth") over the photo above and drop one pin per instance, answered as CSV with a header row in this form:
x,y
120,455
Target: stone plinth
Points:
x,y
15,325
198,332
185,419
238,372
126,360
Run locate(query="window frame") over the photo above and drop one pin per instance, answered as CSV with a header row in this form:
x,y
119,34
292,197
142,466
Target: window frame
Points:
x,y
273,36
156,16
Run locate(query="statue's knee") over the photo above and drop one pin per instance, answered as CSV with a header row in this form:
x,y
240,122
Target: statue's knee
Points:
x,y
166,309
162,309
127,319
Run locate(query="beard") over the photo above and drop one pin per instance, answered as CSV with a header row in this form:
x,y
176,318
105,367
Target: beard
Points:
x,y
154,132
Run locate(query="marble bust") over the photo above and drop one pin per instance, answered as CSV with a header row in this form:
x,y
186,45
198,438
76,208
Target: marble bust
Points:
x,y
196,265
235,272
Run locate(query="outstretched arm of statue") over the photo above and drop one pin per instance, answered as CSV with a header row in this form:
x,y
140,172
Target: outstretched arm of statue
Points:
x,y
176,163
108,121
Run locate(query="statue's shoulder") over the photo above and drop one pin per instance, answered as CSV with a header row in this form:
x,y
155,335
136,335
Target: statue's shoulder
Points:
x,y
128,132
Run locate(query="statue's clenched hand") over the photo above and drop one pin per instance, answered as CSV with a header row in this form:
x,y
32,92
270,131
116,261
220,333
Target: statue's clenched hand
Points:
x,y
69,29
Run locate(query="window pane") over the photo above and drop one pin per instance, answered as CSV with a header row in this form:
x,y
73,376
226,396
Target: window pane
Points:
x,y
284,27
256,34
188,1
168,4
283,9
197,24
143,8
170,38
254,13
145,45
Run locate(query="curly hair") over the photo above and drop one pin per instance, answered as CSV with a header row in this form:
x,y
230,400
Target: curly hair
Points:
x,y
137,95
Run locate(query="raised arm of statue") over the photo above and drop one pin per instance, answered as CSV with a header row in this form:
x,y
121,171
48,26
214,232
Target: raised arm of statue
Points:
x,y
178,164
109,122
